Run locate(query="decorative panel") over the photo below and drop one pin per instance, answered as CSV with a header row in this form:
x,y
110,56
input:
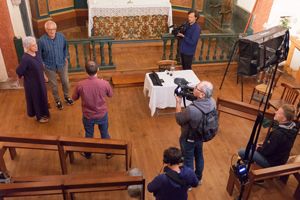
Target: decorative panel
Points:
x,y
182,3
199,5
131,27
42,6
59,4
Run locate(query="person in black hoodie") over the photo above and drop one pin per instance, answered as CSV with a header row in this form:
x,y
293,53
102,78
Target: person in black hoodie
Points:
x,y
276,148
173,184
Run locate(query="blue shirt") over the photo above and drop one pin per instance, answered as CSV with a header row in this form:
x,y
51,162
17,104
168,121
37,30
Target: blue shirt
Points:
x,y
53,51
189,42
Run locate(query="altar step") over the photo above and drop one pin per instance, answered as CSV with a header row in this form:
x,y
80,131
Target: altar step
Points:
x,y
128,81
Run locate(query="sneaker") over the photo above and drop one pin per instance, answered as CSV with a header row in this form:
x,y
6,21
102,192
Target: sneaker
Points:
x,y
260,182
69,101
190,188
200,182
58,105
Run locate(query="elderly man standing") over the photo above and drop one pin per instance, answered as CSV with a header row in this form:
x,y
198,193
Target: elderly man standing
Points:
x,y
54,53
190,144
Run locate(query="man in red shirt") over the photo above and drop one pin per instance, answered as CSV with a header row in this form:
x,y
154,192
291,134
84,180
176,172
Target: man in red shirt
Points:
x,y
93,92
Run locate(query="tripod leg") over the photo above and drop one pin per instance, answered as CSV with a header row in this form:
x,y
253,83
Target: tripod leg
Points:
x,y
232,52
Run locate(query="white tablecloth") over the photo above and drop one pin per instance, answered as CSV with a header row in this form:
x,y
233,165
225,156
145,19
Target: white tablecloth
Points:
x,y
163,96
109,10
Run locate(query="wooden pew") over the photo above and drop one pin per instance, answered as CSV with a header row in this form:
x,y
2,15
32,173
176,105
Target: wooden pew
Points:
x,y
65,146
241,109
258,173
68,185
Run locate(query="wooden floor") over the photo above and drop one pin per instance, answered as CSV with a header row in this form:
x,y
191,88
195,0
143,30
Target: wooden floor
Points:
x,y
130,119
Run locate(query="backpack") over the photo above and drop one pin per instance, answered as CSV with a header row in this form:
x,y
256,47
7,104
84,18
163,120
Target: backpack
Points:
x,y
208,126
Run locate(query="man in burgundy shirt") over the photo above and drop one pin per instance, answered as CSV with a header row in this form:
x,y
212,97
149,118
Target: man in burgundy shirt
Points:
x,y
93,92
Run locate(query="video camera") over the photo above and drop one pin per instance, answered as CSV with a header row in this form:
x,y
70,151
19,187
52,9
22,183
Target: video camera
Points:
x,y
178,29
184,90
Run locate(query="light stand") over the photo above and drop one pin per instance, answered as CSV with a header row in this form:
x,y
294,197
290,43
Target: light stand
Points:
x,y
256,130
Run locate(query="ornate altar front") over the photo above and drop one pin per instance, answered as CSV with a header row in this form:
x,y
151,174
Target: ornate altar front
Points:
x,y
129,21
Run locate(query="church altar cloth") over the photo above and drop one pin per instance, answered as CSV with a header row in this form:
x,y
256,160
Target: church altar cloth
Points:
x,y
163,96
130,21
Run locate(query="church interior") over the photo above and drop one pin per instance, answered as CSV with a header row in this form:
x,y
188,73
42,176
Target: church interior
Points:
x,y
128,110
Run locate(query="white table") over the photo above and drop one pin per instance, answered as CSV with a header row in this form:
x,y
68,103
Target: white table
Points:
x,y
163,96
110,9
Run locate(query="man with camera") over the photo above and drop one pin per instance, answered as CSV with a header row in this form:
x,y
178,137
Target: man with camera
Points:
x,y
189,119
189,40
275,150
174,182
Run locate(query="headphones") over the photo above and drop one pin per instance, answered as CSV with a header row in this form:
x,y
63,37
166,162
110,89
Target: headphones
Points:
x,y
173,160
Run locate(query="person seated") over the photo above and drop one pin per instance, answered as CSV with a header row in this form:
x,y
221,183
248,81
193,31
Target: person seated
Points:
x,y
276,148
135,191
174,182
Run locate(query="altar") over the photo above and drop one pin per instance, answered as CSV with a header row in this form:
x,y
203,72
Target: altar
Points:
x,y
137,21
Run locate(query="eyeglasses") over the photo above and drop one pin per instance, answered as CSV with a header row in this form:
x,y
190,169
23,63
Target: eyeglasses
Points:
x,y
198,89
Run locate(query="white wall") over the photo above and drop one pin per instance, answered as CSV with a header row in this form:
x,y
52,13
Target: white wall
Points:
x,y
246,4
3,72
287,8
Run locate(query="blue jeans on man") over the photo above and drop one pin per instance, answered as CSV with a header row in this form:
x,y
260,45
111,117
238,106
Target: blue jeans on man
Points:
x,y
257,157
89,128
191,149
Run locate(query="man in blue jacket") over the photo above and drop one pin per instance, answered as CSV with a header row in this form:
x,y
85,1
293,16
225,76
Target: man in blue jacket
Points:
x,y
189,41
173,184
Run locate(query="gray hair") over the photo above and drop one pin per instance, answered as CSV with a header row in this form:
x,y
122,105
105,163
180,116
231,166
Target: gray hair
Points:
x,y
27,40
135,191
207,88
50,22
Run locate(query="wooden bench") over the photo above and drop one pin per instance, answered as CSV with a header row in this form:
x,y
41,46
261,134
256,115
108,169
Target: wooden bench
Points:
x,y
258,173
68,185
241,109
128,80
65,146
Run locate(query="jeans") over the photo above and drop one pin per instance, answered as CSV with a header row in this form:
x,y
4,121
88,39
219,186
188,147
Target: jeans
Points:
x,y
191,149
89,128
257,157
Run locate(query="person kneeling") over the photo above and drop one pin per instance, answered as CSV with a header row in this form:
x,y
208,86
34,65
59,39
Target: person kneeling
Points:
x,y
174,182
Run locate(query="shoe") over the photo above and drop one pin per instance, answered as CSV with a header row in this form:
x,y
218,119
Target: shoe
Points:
x,y
109,156
260,182
200,182
190,188
69,101
43,120
59,106
83,154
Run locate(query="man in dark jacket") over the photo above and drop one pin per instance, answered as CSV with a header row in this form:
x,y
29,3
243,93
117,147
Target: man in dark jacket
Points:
x,y
191,145
276,148
189,40
167,187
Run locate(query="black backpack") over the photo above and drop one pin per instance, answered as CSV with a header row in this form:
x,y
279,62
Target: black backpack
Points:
x,y
208,126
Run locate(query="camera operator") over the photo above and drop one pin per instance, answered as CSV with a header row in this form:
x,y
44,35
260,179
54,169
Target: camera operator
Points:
x,y
276,148
189,39
190,144
173,183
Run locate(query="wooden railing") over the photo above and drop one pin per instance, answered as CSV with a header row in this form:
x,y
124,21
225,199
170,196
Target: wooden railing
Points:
x,y
89,47
215,47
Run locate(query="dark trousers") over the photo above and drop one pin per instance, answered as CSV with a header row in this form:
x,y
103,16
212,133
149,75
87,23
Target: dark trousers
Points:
x,y
186,61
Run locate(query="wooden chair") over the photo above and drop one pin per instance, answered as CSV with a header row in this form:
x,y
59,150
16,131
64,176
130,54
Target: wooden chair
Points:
x,y
261,91
165,64
289,95
258,173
